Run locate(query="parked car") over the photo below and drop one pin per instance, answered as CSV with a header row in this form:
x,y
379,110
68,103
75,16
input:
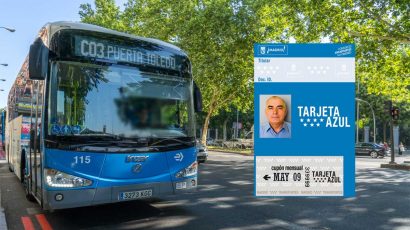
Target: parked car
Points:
x,y
370,149
210,141
238,143
202,152
218,143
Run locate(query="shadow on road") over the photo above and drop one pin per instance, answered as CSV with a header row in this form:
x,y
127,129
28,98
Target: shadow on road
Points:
x,y
102,216
225,201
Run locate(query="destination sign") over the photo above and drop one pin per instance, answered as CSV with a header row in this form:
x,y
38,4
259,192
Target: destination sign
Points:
x,y
103,49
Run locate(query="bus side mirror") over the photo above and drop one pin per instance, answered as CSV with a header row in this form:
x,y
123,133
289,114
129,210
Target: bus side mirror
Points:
x,y
38,60
197,99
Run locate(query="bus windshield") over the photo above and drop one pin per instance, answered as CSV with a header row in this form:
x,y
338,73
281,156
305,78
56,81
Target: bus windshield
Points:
x,y
115,100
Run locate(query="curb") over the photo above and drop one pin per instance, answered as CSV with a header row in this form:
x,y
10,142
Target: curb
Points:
x,y
238,153
225,151
396,166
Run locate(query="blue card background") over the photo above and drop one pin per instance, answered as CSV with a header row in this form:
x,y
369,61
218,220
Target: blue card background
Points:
x,y
312,141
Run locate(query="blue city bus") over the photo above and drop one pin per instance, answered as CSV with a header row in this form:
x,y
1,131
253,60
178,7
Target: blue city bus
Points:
x,y
98,116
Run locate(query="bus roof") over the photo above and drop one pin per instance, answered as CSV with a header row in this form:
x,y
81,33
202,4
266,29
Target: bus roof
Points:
x,y
56,26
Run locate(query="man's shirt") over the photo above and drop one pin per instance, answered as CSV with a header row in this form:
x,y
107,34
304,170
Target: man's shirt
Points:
x,y
267,132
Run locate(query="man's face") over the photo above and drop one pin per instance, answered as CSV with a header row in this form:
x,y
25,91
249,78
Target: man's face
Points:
x,y
275,111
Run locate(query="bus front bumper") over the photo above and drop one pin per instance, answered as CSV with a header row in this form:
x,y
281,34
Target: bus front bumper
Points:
x,y
61,199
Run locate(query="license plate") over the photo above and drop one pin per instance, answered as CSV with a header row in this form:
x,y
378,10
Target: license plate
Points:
x,y
135,194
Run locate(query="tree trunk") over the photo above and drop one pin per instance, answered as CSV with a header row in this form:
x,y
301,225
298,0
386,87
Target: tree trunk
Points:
x,y
208,118
224,129
205,128
384,131
214,103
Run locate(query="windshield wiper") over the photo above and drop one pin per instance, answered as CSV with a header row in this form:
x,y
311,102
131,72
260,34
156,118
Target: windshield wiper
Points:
x,y
113,146
92,133
168,142
117,143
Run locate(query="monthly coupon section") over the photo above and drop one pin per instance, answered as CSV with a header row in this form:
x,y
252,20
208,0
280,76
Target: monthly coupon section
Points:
x,y
299,176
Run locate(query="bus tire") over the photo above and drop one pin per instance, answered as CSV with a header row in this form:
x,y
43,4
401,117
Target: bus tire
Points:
x,y
24,180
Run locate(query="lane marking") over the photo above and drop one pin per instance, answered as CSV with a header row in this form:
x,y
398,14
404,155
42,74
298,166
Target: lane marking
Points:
x,y
27,223
41,218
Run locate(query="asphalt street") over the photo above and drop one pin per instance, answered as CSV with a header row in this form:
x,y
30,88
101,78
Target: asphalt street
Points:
x,y
225,201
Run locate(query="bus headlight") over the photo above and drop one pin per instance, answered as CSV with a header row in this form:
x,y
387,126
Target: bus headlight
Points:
x,y
57,179
188,171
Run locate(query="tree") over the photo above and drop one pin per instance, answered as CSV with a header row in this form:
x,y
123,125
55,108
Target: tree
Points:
x,y
380,30
218,36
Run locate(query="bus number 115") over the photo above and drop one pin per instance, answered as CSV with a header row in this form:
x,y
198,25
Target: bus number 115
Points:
x,y
82,159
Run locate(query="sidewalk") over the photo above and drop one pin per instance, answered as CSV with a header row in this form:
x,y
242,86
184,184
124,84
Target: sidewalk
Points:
x,y
3,224
402,162
2,153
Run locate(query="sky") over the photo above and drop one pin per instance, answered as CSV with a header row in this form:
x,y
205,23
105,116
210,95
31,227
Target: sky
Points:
x,y
27,17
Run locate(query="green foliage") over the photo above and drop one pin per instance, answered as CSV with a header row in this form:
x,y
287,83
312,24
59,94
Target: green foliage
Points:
x,y
364,122
218,36
107,14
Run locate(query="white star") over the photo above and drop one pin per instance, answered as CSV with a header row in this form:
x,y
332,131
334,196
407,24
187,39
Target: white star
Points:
x,y
311,125
308,120
301,120
305,124
321,119
314,120
317,124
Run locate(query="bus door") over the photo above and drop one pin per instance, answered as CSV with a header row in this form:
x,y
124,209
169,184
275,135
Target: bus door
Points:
x,y
35,165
